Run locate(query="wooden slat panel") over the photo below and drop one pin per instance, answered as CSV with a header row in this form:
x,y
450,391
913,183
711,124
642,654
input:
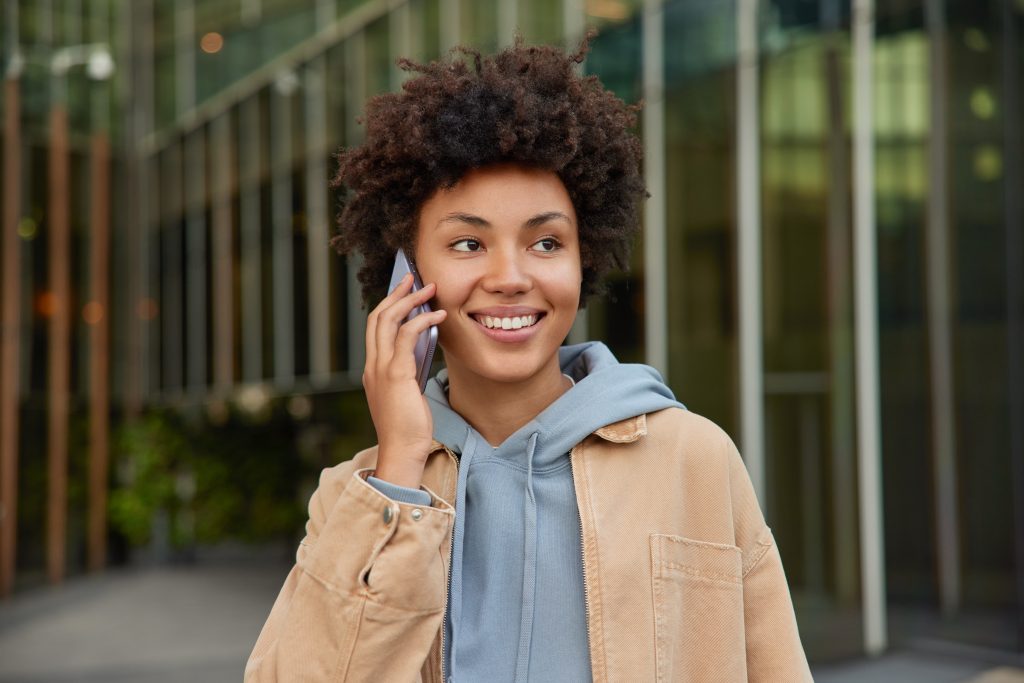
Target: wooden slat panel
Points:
x,y
59,345
99,350
10,353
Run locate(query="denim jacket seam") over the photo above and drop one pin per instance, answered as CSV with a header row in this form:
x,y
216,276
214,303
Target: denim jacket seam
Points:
x,y
758,554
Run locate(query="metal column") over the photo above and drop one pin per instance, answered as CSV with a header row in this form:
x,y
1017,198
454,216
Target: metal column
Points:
x,y
317,220
172,309
655,275
574,21
281,203
940,324
250,218
196,352
508,22
355,98
841,351
222,241
1014,181
450,25
869,440
748,258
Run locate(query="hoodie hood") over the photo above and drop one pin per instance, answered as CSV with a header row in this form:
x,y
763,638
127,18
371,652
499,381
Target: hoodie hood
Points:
x,y
522,489
605,392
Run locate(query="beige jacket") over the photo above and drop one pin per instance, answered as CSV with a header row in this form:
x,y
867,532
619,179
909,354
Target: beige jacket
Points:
x,y
682,576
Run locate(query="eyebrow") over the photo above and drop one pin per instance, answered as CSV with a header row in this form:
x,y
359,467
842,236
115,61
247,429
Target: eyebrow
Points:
x,y
536,221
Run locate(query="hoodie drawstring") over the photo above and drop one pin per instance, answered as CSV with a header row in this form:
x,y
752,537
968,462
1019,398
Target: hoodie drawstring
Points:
x,y
529,567
458,536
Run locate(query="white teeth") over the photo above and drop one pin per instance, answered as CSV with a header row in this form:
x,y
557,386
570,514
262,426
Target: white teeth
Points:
x,y
514,323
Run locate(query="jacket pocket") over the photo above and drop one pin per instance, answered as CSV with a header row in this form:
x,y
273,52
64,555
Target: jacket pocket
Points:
x,y
698,610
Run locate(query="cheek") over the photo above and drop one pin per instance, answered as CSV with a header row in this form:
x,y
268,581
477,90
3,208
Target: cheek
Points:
x,y
450,295
567,284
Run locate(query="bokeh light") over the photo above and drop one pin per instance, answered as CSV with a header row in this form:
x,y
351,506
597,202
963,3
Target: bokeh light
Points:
x,y
211,43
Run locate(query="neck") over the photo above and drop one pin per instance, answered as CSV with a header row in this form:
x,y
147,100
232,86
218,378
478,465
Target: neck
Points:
x,y
497,409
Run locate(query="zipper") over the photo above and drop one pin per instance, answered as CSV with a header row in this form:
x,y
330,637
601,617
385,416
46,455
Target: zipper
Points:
x,y
583,558
448,583
583,564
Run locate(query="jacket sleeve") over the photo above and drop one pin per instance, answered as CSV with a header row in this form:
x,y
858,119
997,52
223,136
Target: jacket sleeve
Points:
x,y
774,650
366,596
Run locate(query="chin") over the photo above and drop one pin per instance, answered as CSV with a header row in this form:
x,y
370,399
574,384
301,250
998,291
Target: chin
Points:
x,y
508,368
498,372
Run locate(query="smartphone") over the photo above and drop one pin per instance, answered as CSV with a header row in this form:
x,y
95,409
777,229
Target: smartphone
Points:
x,y
427,341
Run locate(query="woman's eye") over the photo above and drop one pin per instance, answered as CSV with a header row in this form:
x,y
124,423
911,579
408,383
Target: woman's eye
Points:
x,y
547,245
466,245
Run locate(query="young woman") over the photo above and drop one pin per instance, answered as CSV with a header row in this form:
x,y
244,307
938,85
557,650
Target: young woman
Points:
x,y
542,512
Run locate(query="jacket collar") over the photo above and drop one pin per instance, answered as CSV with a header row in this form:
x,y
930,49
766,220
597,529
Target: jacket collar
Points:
x,y
623,431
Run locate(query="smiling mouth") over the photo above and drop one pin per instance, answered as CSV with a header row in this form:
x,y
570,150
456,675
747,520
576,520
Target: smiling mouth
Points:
x,y
515,322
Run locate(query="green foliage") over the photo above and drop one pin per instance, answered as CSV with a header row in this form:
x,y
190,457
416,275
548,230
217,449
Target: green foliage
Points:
x,y
149,455
238,479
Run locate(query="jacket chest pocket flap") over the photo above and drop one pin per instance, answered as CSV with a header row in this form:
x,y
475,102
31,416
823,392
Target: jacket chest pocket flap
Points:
x,y
698,609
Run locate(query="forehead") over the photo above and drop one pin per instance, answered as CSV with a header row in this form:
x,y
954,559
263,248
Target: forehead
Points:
x,y
501,191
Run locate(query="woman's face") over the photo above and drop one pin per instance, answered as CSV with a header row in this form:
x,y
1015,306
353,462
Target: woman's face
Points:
x,y
502,246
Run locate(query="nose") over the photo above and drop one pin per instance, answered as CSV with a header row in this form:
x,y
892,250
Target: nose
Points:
x,y
506,273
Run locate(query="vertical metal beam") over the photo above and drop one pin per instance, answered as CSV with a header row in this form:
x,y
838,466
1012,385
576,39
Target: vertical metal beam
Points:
x,y
355,99
195,260
173,311
655,275
10,347
252,11
417,39
325,13
250,219
841,375
131,357
869,439
144,202
940,324
317,220
748,243
1014,212
222,243
281,210
508,22
574,21
400,40
185,55
450,24
59,353
573,25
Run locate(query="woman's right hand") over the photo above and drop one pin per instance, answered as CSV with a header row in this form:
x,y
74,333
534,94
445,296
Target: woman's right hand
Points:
x,y
400,412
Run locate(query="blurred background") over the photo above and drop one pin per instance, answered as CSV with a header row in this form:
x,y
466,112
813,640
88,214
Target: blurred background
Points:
x,y
831,268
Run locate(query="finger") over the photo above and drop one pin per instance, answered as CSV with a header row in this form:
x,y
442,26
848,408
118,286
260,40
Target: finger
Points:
x,y
391,318
405,343
371,321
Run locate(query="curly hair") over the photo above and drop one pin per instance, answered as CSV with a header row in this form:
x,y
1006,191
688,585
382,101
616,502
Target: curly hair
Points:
x,y
524,105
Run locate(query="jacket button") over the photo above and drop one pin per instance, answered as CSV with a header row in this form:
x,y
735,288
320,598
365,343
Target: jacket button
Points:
x,y
416,515
388,514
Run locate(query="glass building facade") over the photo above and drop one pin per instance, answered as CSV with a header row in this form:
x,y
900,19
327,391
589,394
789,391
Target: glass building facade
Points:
x,y
831,266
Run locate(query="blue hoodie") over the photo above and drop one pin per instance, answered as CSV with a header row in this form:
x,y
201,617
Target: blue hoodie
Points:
x,y
516,604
